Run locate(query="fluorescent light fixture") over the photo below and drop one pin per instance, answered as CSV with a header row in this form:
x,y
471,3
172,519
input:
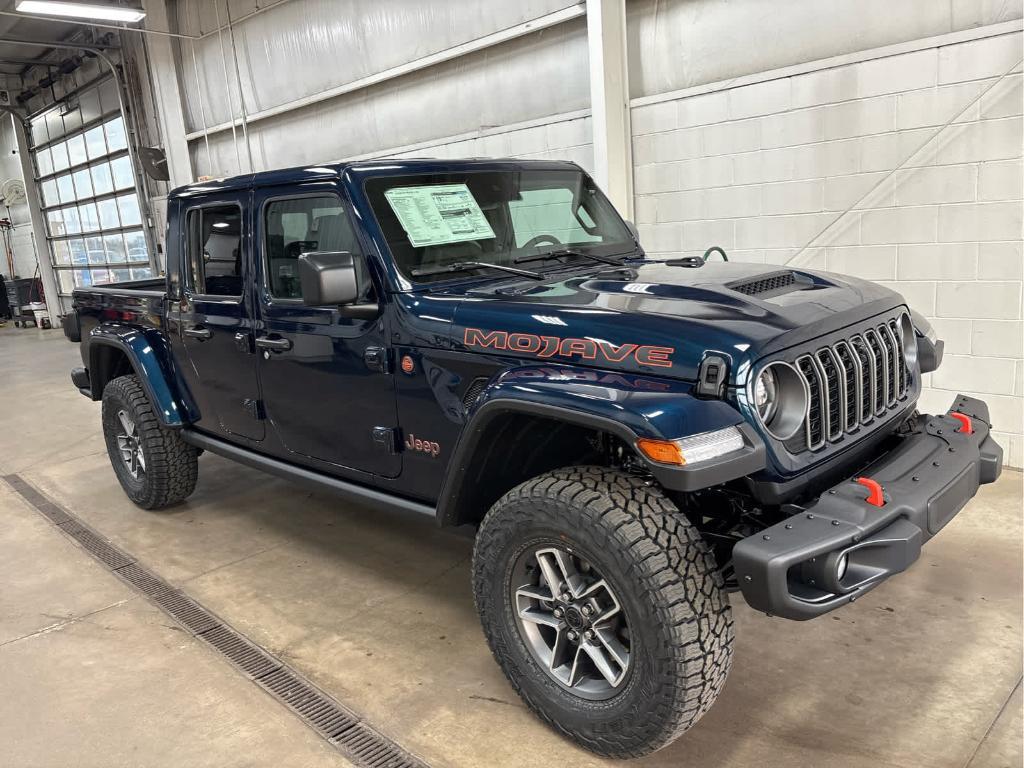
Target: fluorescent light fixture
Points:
x,y
81,10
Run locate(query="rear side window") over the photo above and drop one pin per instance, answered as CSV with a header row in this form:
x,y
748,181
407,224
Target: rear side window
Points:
x,y
214,264
295,226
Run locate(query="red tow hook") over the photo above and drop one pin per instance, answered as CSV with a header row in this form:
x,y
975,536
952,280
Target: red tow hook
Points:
x,y
875,497
965,420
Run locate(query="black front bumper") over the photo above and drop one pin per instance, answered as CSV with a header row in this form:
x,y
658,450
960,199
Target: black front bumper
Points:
x,y
792,568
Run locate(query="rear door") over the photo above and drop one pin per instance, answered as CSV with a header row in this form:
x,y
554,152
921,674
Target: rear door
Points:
x,y
215,315
326,382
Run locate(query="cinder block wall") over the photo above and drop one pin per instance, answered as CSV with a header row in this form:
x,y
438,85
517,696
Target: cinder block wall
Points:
x,y
901,165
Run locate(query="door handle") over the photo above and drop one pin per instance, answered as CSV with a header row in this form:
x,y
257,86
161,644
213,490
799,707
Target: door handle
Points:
x,y
199,333
277,345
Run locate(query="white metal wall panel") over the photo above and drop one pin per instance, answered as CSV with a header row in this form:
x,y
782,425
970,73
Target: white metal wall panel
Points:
x,y
677,44
305,47
495,87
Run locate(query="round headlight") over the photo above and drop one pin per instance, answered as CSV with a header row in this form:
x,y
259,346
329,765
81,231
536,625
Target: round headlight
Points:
x,y
908,341
779,397
766,394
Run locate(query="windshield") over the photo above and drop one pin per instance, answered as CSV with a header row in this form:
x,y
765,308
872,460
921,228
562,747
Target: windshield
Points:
x,y
432,221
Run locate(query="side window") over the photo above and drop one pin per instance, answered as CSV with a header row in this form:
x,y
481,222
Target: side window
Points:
x,y
214,249
302,225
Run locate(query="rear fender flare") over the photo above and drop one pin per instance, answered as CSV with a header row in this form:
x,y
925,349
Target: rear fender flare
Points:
x,y
144,357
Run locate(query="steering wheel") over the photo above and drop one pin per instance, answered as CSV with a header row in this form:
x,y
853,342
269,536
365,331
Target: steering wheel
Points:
x,y
536,240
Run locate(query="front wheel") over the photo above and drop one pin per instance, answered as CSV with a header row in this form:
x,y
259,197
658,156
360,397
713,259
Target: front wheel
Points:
x,y
155,466
604,608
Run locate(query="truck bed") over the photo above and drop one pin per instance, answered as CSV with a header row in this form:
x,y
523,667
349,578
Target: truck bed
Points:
x,y
138,303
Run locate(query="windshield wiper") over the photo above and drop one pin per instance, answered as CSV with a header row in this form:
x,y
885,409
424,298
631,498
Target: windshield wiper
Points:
x,y
466,266
564,252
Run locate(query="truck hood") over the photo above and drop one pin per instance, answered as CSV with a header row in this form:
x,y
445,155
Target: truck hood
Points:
x,y
660,318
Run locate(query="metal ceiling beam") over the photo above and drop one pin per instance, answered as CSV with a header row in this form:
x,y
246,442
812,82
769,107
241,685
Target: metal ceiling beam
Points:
x,y
56,44
28,62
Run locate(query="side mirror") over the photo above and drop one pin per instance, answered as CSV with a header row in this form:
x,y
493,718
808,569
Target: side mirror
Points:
x,y
328,278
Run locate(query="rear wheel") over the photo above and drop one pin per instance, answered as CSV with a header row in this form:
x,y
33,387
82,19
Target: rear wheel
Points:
x,y
604,608
155,467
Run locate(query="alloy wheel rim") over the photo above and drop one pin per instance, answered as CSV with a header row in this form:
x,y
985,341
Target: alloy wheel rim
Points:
x,y
130,445
572,621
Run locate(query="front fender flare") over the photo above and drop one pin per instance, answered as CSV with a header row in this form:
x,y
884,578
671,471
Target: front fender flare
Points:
x,y
145,361
627,406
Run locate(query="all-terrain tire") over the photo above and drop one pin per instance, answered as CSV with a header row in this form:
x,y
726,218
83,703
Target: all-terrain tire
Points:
x,y
171,464
666,578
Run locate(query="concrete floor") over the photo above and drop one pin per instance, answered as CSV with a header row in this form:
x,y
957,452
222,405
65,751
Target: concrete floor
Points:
x,y
376,608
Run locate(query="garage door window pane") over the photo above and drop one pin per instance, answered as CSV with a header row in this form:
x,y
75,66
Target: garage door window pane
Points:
x,y
59,152
54,125
89,103
95,251
101,180
122,170
61,252
115,134
71,222
66,285
128,205
83,184
76,150
44,162
95,144
83,278
88,217
49,188
136,243
141,273
39,134
101,277
66,188
72,120
114,246
108,214
120,275
77,248
55,222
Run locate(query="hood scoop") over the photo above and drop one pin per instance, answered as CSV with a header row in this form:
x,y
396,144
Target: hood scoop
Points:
x,y
771,284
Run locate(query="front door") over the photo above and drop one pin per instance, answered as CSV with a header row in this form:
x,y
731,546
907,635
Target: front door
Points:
x,y
216,318
327,390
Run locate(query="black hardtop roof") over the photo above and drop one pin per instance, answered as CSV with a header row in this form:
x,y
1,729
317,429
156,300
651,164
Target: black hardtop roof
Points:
x,y
388,166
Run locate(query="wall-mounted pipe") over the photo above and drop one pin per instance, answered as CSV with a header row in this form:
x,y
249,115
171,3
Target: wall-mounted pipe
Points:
x,y
241,93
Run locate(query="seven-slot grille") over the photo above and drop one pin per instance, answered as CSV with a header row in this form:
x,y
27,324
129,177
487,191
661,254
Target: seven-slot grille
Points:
x,y
851,383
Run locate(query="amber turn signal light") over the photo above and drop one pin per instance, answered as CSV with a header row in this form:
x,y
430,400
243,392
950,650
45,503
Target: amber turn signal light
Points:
x,y
662,451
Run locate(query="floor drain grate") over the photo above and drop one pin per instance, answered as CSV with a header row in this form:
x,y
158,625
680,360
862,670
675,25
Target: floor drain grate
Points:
x,y
240,651
360,743
186,610
143,580
367,747
42,504
100,548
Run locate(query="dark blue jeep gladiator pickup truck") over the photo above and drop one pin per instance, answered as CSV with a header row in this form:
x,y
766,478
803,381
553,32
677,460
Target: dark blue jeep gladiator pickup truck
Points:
x,y
486,342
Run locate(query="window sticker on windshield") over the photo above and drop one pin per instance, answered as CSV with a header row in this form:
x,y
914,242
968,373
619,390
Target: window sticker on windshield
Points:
x,y
439,214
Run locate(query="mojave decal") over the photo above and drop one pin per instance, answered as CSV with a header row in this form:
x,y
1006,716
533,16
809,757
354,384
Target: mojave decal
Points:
x,y
585,349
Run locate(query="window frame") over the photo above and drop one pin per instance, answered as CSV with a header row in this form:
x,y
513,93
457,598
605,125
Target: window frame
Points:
x,y
187,278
